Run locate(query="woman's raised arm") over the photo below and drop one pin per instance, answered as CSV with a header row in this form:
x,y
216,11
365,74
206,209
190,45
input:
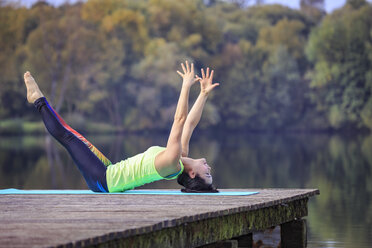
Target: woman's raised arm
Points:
x,y
167,162
193,118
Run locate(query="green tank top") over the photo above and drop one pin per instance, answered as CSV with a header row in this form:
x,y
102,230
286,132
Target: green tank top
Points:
x,y
135,171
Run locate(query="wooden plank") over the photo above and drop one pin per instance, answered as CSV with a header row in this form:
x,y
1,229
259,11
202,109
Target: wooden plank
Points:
x,y
211,230
83,220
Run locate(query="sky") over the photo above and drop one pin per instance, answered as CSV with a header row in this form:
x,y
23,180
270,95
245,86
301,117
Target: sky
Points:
x,y
330,5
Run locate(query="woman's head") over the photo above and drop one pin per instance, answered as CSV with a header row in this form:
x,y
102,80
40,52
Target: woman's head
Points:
x,y
196,176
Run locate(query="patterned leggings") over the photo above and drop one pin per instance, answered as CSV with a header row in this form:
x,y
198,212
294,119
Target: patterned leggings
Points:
x,y
90,161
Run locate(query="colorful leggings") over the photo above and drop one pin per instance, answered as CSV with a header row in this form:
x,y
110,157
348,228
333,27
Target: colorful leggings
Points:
x,y
90,161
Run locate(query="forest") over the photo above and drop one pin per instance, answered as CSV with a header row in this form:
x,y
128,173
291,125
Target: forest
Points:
x,y
110,66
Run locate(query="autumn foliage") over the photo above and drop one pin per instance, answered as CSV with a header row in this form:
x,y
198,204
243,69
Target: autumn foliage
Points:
x,y
115,61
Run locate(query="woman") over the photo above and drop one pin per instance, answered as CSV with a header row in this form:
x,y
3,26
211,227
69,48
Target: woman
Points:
x,y
155,163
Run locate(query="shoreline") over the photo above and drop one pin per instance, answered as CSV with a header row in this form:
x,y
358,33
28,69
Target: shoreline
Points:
x,y
14,127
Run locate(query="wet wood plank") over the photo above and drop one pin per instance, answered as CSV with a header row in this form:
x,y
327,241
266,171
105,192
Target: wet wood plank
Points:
x,y
145,220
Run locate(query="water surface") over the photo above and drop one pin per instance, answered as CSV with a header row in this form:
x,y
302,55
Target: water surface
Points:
x,y
341,167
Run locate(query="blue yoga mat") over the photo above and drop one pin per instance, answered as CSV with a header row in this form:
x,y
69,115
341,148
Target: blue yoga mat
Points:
x,y
128,192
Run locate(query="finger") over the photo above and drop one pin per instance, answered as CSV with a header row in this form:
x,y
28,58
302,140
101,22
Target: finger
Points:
x,y
198,78
192,68
187,66
210,88
207,72
202,71
179,73
211,76
183,67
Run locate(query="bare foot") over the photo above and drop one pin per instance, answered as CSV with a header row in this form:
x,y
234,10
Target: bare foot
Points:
x,y
33,91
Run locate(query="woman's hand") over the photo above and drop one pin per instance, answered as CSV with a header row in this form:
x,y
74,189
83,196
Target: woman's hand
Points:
x,y
206,82
188,74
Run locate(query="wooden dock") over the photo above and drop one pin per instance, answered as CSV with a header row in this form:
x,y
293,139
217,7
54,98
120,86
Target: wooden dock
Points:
x,y
152,220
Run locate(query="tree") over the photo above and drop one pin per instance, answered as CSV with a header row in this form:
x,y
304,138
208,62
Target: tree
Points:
x,y
313,9
290,34
14,28
341,81
156,85
356,4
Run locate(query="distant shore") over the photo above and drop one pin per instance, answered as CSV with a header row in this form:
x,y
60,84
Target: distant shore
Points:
x,y
22,127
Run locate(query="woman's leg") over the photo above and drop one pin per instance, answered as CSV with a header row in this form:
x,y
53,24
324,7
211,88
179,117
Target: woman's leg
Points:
x,y
90,161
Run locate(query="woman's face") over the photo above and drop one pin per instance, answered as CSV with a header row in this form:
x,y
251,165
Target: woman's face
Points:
x,y
203,170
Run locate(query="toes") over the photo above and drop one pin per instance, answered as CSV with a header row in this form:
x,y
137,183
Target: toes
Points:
x,y
28,75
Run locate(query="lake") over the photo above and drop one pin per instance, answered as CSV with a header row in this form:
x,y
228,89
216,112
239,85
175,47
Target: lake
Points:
x,y
340,166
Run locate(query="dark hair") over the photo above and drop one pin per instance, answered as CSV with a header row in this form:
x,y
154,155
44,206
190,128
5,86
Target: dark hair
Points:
x,y
195,185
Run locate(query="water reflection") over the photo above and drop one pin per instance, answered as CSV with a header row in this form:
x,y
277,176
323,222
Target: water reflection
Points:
x,y
341,167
